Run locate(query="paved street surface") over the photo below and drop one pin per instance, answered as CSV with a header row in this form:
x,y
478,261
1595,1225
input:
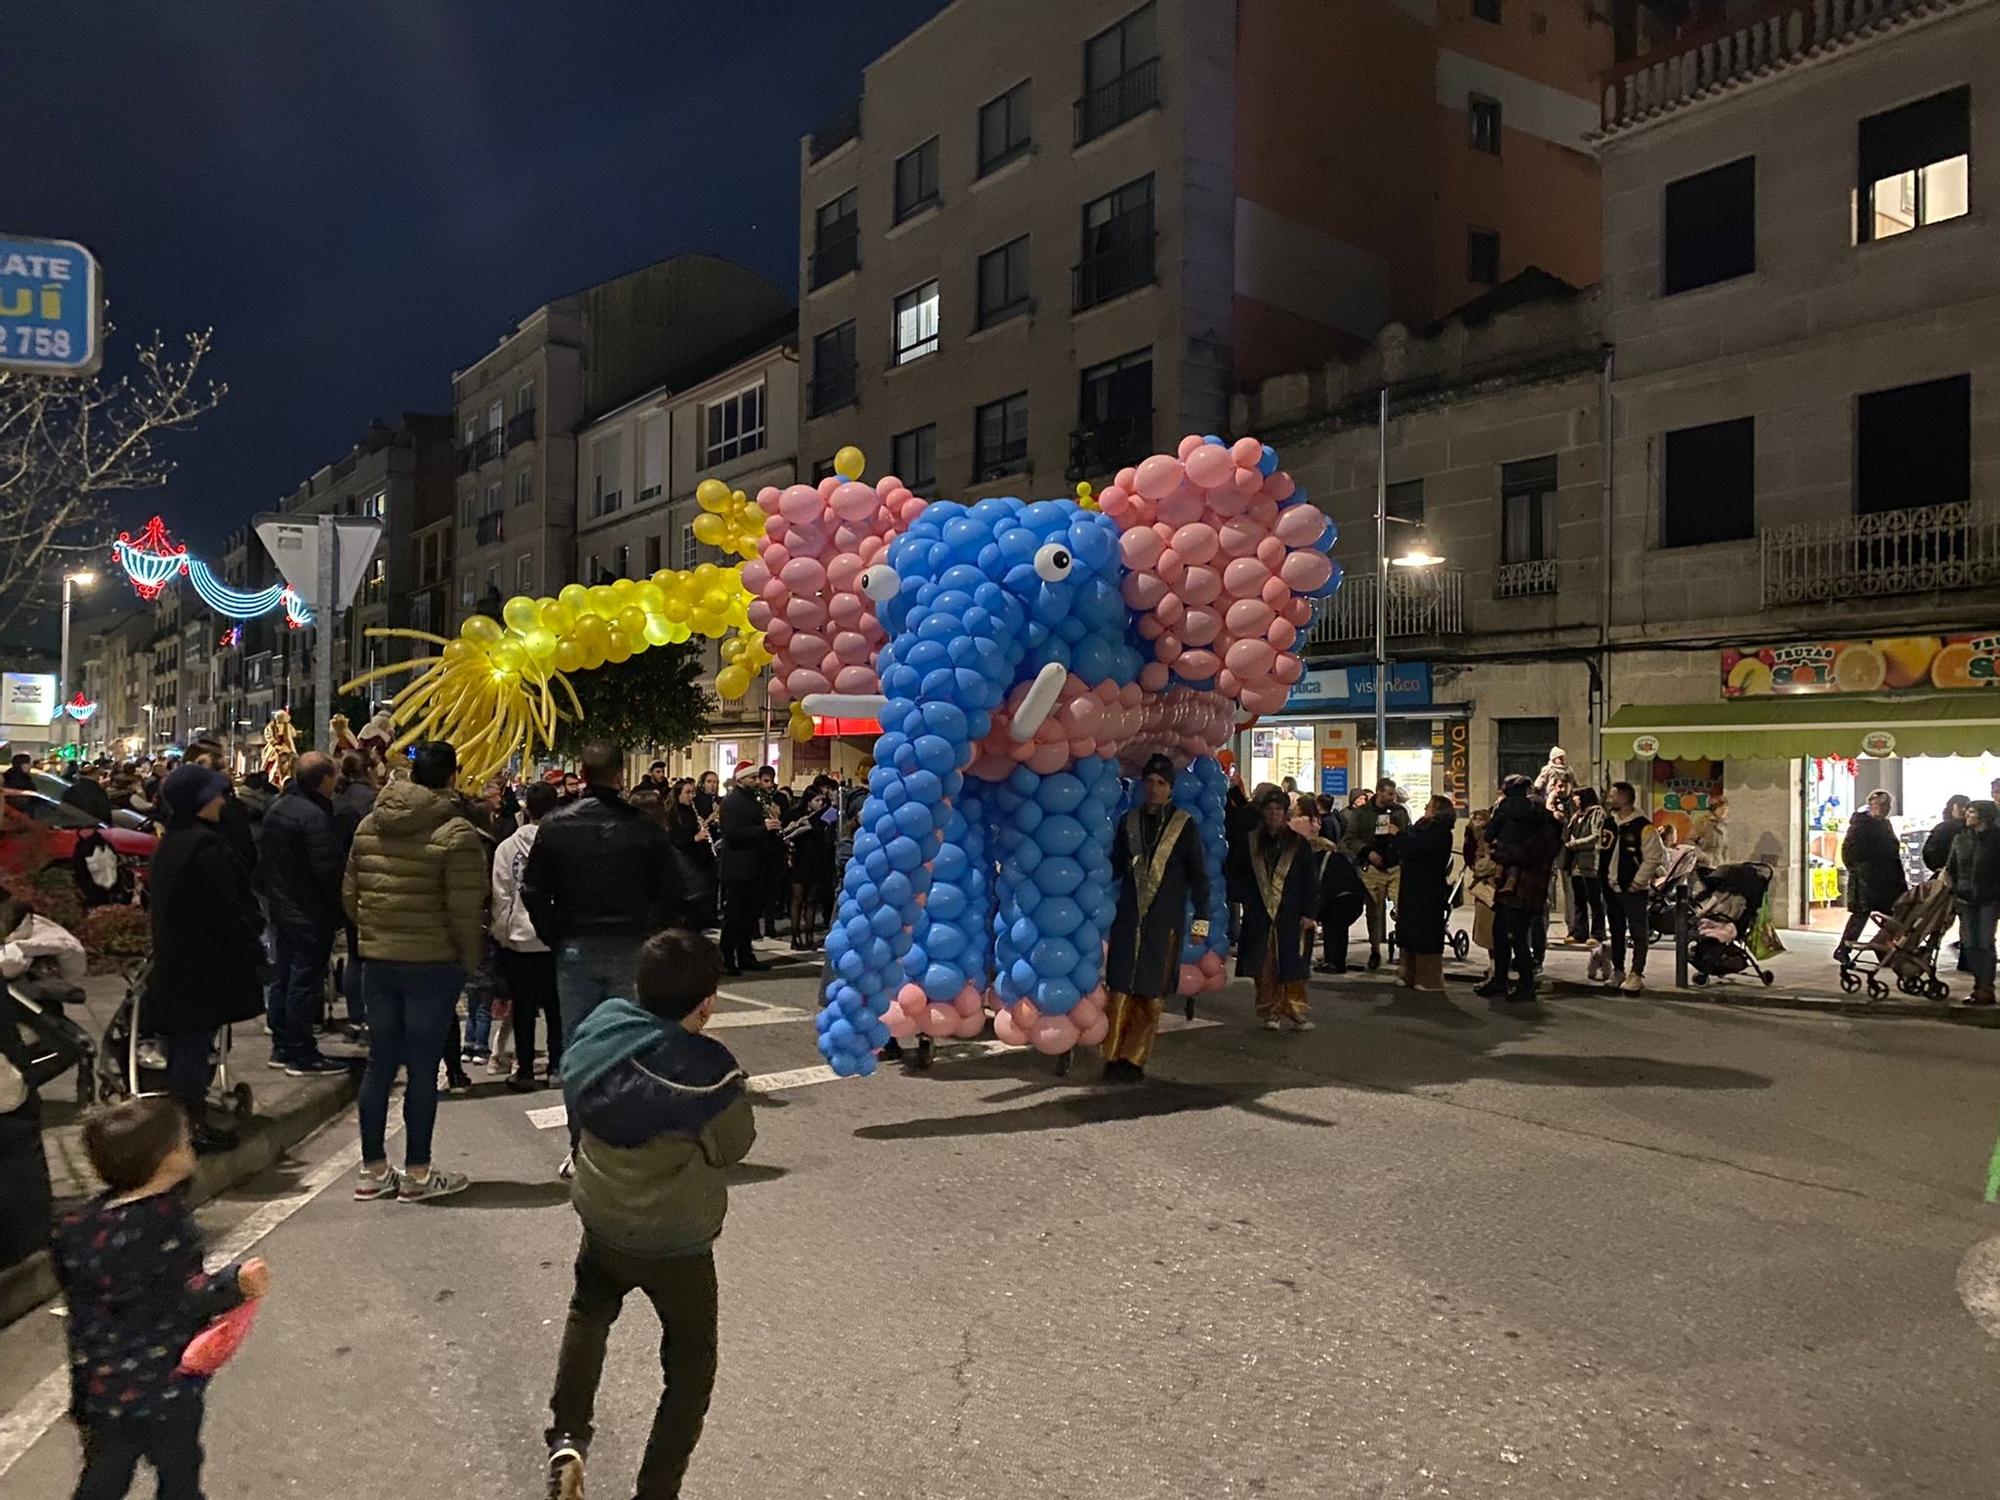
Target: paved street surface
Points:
x,y
1600,1247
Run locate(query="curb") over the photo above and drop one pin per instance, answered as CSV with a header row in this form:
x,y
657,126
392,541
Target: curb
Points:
x,y
27,1284
1749,997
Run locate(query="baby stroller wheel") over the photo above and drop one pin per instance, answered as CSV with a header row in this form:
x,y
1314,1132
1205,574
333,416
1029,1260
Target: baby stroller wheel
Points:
x,y
1699,977
1769,979
1063,1061
1877,990
926,1052
1461,944
1188,1009
242,1103
1939,991
1849,981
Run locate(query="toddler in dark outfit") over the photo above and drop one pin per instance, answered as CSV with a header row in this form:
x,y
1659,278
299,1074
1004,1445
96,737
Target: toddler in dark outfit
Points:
x,y
130,1264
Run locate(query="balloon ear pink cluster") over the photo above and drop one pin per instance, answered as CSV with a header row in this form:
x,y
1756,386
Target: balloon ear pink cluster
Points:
x,y
1223,561
820,628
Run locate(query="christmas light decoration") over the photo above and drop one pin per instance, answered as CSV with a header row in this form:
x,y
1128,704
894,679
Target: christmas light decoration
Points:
x,y
80,709
154,560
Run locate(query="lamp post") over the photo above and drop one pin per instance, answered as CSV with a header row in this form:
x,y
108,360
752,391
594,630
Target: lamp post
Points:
x,y
83,578
1417,554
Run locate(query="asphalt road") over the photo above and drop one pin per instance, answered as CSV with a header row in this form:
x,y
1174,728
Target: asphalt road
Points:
x,y
1606,1247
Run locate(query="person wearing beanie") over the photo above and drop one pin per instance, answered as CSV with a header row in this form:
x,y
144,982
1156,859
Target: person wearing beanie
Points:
x,y
1975,880
1156,854
208,947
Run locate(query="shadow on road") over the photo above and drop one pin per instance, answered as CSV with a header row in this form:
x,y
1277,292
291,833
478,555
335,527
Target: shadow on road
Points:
x,y
513,1195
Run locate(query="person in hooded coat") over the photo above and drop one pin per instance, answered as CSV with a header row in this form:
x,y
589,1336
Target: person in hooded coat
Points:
x,y
1421,915
1280,880
1157,856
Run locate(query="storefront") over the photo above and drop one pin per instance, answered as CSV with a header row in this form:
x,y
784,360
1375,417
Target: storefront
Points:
x,y
1799,736
1324,738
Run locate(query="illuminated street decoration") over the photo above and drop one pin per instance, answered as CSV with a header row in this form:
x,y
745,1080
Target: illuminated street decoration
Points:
x,y
154,560
80,709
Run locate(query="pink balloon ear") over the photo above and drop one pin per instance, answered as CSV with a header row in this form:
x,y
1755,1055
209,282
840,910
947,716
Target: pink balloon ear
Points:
x,y
1190,444
1246,453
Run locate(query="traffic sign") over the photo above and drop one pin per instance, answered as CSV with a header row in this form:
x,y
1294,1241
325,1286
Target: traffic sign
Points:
x,y
294,545
51,307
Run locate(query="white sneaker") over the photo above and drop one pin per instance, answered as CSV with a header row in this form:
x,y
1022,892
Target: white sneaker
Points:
x,y
435,1184
1302,1024
1632,983
1274,1024
1617,979
568,1168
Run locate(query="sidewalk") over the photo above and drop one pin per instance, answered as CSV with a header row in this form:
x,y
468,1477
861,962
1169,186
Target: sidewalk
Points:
x,y
286,1110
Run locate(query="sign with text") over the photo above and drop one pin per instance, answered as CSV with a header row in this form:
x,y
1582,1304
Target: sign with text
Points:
x,y
1352,689
28,699
1890,664
1333,771
51,307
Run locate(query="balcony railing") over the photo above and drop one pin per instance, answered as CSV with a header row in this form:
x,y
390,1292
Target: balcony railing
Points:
x,y
1110,105
1742,49
1517,580
1110,444
492,528
484,449
1426,603
833,389
1926,549
837,253
835,133
1123,265
521,428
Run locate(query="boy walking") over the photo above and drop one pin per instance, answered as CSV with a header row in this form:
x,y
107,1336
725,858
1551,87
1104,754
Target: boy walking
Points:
x,y
661,1113
129,1263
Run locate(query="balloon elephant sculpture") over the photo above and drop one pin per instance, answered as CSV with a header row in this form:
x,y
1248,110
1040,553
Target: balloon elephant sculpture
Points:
x,y
1019,655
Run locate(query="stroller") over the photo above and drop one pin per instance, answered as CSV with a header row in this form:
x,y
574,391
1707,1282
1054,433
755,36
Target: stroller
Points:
x,y
1905,943
40,964
130,1062
1682,864
1726,899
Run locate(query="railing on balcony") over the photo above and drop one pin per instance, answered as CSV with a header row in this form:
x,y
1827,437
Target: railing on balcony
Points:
x,y
836,132
1110,105
1923,550
833,389
1517,580
492,527
521,428
1123,263
1430,602
484,449
1735,51
1110,444
837,252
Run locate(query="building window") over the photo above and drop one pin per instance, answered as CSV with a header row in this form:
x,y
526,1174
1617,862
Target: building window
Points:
x,y
524,487
1003,283
916,324
593,572
822,468
1404,500
653,555
1711,227
1121,74
652,455
1485,116
376,505
1117,244
465,502
1915,165
1000,437
623,561
1482,257
1004,131
607,473
1709,489
1528,510
524,398
496,415
913,458
1523,746
690,548
492,499
836,238
733,425
1114,415
378,578
492,581
524,573
917,180
1913,446
1486,10
833,381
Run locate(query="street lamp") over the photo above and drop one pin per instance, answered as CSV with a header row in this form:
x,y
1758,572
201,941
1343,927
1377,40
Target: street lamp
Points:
x,y
1417,553
83,578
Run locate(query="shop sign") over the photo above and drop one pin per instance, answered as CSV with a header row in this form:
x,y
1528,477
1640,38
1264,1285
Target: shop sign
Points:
x,y
1878,743
28,699
1888,664
1352,689
1684,793
1645,746
1333,771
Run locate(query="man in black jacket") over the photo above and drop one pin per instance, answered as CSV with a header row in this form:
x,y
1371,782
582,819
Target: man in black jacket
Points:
x,y
87,795
239,828
599,882
301,864
742,862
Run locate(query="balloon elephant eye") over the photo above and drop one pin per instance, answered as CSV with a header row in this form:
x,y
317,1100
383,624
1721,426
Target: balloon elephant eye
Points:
x,y
1052,563
881,583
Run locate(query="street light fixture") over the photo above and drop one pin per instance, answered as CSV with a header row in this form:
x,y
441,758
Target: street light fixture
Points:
x,y
1417,553
82,578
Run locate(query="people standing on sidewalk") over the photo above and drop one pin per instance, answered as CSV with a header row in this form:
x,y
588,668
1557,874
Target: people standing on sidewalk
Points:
x,y
664,1114
1873,856
1523,842
1156,856
353,800
1482,878
1555,783
208,944
1938,842
526,962
747,829
1631,853
1373,826
241,822
1280,882
416,889
19,776
87,795
1421,913
1975,880
1581,860
300,865
1342,899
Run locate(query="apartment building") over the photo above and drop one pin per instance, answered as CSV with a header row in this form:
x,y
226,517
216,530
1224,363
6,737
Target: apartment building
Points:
x,y
517,409
1051,238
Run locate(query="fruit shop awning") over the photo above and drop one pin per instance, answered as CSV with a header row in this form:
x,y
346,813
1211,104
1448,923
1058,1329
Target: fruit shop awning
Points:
x,y
1784,728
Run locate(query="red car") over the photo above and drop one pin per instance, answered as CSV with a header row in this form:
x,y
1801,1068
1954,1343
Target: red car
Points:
x,y
62,823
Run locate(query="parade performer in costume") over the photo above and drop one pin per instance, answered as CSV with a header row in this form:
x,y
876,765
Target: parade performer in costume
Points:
x,y
342,737
377,735
1157,855
281,747
1281,883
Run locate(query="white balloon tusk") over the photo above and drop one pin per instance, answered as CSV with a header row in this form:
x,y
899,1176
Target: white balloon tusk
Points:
x,y
1038,703
844,705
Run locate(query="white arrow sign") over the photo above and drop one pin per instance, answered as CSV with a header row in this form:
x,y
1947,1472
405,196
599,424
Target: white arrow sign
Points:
x,y
294,545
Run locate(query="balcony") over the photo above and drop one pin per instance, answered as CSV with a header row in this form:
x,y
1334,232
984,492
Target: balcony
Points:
x,y
833,389
521,428
1922,550
1110,444
492,528
484,449
1426,603
837,253
1123,264
835,133
1110,105
1520,579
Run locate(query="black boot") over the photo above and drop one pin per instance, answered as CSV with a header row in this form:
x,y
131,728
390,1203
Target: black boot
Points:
x,y
208,1140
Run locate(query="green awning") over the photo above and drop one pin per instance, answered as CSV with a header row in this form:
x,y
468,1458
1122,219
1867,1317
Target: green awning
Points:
x,y
1771,728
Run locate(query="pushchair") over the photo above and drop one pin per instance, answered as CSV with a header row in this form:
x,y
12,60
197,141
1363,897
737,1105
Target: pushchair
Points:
x,y
1457,887
40,964
1680,867
130,1062
1727,899
1904,942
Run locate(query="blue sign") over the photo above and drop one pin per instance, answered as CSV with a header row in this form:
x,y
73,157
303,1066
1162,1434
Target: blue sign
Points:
x,y
1333,781
1352,689
51,301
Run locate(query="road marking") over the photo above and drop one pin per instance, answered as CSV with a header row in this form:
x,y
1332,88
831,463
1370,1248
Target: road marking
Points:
x,y
549,1118
776,1015
749,1000
798,1078
46,1404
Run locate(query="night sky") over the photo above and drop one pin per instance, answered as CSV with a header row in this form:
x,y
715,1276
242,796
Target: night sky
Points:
x,y
360,196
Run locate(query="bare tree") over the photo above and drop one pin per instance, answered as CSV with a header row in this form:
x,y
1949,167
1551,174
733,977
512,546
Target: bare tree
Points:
x,y
67,446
